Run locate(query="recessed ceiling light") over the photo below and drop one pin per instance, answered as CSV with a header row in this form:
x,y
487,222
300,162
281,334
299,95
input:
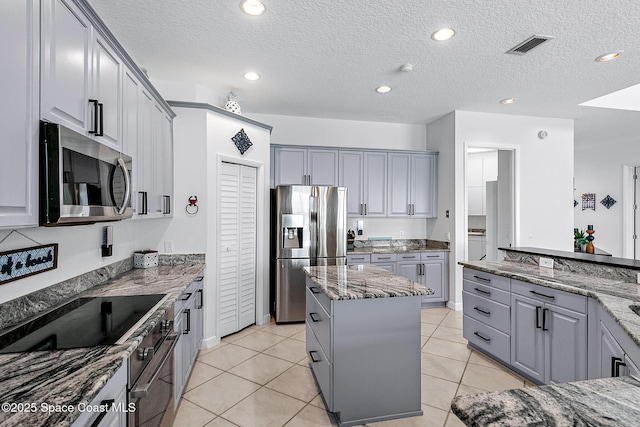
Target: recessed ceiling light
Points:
x,y
251,76
253,7
383,89
443,34
508,101
608,56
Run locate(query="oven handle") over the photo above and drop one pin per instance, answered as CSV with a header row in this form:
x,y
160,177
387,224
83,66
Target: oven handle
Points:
x,y
143,391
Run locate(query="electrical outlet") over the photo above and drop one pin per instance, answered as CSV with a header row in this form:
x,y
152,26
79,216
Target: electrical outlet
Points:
x,y
638,278
401,233
168,246
546,262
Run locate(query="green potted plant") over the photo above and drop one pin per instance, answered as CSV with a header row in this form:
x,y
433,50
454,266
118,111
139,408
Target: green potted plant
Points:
x,y
580,240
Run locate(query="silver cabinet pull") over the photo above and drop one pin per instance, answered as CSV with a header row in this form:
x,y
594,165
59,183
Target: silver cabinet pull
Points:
x,y
481,337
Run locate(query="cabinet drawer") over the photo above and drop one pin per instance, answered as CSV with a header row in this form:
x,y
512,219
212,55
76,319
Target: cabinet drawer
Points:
x,y
557,297
383,258
321,367
432,256
358,259
487,279
319,321
411,256
319,295
488,339
487,311
486,291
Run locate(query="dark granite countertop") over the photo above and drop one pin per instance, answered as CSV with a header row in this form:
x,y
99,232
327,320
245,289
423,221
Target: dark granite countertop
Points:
x,y
615,295
348,282
72,377
602,402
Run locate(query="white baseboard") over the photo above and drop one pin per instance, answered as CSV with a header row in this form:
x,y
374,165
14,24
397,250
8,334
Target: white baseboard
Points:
x,y
209,342
266,319
457,306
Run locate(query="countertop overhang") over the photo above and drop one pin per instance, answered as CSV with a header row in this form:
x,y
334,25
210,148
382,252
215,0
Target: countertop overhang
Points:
x,y
350,282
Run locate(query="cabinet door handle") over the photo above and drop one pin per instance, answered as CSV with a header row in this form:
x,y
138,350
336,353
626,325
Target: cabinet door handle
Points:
x,y
101,116
313,359
167,205
486,313
95,116
187,311
538,317
313,317
107,404
314,290
186,296
201,304
365,208
485,339
543,295
360,210
413,209
616,362
544,319
482,291
484,279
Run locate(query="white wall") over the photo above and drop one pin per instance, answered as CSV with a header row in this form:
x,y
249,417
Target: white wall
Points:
x,y
79,250
544,178
290,130
599,170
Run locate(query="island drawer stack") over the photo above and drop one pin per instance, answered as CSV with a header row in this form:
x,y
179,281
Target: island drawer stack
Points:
x,y
318,320
486,301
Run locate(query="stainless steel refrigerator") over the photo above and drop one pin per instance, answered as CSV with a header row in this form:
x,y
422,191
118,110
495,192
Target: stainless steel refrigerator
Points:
x,y
310,228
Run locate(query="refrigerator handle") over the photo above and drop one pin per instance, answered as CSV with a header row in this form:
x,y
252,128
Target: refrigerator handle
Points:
x,y
313,227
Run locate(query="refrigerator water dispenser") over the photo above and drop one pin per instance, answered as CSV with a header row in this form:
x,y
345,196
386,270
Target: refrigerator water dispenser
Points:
x,y
292,231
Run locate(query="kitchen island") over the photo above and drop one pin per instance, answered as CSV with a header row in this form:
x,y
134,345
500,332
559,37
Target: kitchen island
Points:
x,y
363,341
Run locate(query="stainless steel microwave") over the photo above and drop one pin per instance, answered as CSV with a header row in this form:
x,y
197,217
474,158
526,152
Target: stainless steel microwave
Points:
x,y
81,180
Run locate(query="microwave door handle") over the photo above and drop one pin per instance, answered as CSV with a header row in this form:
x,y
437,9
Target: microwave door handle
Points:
x,y
127,184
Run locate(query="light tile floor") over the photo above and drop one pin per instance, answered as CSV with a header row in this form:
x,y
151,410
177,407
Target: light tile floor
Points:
x,y
260,377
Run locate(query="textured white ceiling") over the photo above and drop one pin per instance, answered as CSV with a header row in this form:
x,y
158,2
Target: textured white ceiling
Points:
x,y
324,58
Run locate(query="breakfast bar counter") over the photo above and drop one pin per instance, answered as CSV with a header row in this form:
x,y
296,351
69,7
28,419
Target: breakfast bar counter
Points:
x,y
363,341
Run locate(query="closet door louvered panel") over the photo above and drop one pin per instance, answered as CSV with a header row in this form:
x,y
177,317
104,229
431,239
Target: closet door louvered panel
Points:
x,y
238,234
247,265
229,186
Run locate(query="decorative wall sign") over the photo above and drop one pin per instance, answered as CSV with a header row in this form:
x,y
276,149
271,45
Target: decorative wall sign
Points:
x,y
242,141
589,201
608,201
25,262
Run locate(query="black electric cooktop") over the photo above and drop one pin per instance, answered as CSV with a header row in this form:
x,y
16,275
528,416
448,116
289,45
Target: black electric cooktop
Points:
x,y
83,322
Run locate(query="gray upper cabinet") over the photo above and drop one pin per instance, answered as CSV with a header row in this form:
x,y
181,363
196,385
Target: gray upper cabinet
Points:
x,y
66,33
83,94
19,43
548,333
412,185
364,175
302,166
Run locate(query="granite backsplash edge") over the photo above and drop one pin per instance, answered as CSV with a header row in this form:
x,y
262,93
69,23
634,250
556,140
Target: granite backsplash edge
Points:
x,y
15,311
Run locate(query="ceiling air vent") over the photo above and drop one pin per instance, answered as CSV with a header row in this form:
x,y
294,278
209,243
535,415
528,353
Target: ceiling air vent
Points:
x,y
529,44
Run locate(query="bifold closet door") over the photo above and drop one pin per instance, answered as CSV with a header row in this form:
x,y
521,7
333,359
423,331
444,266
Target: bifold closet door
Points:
x,y
238,221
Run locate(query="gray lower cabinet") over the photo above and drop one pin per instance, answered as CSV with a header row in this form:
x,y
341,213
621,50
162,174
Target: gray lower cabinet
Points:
x,y
430,269
486,302
548,333
612,353
365,355
108,408
188,323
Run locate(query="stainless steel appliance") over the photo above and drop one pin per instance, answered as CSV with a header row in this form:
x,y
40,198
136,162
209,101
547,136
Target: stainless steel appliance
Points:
x,y
310,225
81,180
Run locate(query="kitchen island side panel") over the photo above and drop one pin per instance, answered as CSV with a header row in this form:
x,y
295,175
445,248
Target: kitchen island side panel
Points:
x,y
376,357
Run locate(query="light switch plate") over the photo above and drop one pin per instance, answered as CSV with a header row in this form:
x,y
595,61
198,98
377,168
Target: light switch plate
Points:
x,y
546,262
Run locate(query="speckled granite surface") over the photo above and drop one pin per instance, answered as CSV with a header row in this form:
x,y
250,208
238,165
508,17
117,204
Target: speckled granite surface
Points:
x,y
344,282
615,296
397,246
602,402
71,377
